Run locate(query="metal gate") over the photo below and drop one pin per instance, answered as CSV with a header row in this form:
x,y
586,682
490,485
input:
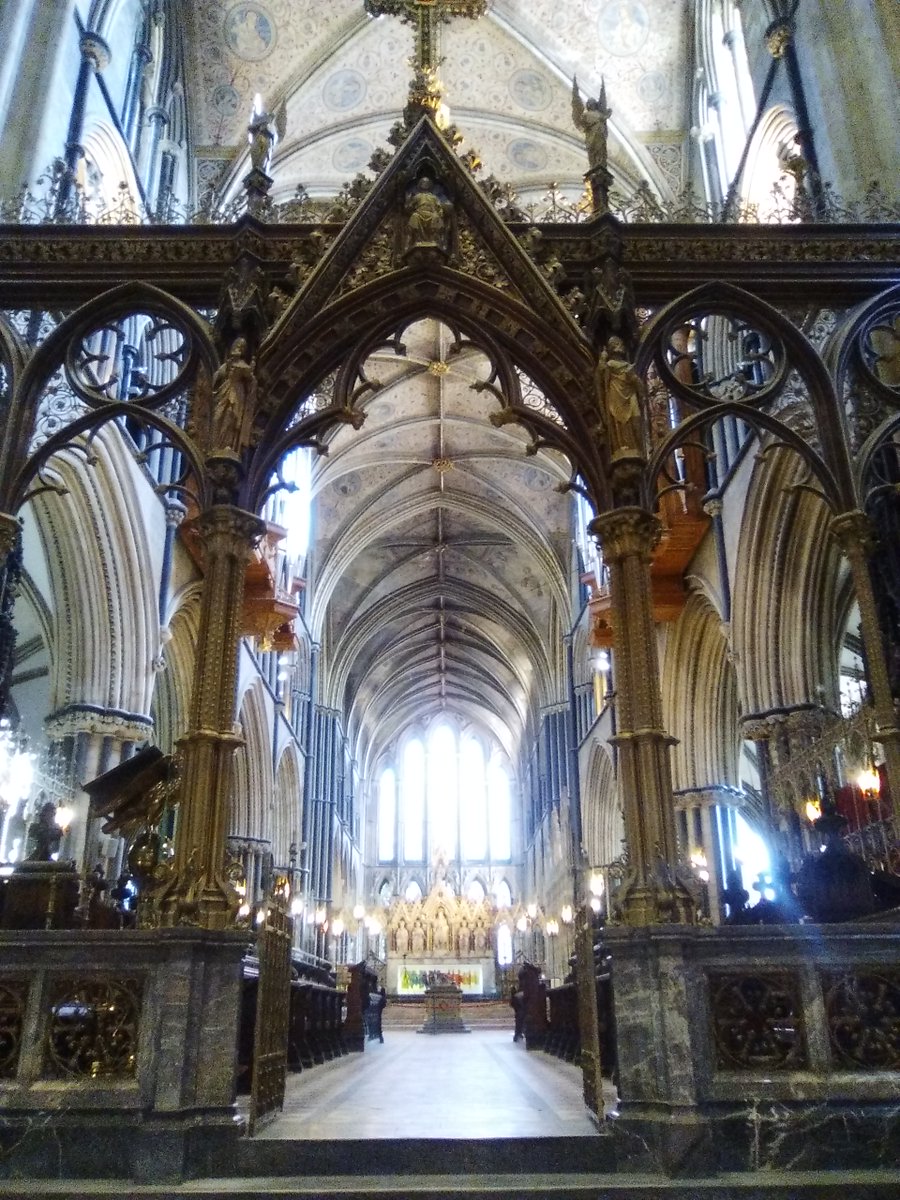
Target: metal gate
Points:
x,y
273,996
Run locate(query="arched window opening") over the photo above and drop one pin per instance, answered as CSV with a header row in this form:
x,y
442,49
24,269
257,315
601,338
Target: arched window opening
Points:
x,y
412,786
413,892
474,800
476,892
751,853
499,812
289,507
447,793
387,815
502,894
443,790
504,946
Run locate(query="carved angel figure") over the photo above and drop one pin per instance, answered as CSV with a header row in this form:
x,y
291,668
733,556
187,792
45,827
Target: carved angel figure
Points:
x,y
234,395
618,392
263,133
592,119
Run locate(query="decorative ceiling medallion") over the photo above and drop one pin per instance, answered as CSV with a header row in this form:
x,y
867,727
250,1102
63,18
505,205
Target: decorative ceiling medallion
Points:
x,y
249,31
527,155
529,89
653,87
438,368
624,26
352,155
441,465
344,90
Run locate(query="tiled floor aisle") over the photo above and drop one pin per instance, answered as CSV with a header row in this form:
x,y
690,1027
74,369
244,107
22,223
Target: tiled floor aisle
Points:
x,y
473,1085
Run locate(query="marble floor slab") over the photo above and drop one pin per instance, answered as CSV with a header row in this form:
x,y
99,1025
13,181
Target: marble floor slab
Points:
x,y
477,1085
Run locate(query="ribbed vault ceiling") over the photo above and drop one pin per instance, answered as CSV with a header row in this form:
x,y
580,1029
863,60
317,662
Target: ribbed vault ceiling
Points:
x,y
441,552
508,76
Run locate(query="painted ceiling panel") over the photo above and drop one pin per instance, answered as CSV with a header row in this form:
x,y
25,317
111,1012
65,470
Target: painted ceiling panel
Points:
x,y
508,77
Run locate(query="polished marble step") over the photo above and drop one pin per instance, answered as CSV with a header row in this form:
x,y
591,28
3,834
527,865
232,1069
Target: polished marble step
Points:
x,y
859,1185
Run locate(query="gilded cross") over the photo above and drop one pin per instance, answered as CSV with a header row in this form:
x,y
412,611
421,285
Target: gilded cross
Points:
x,y
427,17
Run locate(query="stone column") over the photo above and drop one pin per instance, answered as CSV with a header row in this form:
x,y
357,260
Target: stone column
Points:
x,y
95,58
197,892
651,893
856,537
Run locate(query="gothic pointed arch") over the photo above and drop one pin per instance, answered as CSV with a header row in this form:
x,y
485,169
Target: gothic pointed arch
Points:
x,y
700,701
789,568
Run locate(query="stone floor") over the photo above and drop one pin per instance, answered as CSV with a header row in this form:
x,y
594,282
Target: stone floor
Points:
x,y
475,1085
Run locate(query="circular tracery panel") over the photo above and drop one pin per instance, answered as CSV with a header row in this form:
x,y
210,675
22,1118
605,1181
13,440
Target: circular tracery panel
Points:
x,y
140,358
722,358
880,350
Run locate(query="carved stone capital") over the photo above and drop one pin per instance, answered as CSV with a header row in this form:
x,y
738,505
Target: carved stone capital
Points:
x,y
225,529
157,114
778,37
95,51
77,719
626,533
713,508
854,532
707,797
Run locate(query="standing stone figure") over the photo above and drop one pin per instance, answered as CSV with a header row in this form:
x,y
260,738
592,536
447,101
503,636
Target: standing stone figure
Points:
x,y
234,397
618,392
592,119
263,133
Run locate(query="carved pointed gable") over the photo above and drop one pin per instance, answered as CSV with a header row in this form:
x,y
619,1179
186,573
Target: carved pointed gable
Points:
x,y
425,219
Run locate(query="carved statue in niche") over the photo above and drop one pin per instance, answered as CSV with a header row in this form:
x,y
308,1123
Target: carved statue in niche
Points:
x,y
402,938
429,213
479,939
618,393
464,939
441,932
234,397
418,938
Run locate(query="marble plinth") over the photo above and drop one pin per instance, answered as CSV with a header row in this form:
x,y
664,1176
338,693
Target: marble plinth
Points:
x,y
443,1009
165,1107
736,1049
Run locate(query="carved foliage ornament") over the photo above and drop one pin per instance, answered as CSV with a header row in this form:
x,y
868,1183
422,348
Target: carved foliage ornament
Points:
x,y
93,1026
757,1021
863,1013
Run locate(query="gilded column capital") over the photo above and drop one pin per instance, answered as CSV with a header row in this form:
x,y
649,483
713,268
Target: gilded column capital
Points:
x,y
626,533
854,532
9,533
230,529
